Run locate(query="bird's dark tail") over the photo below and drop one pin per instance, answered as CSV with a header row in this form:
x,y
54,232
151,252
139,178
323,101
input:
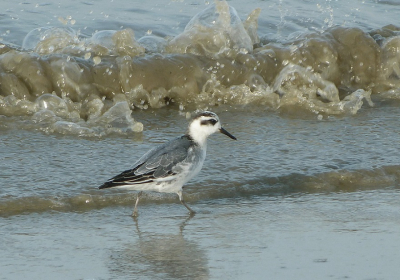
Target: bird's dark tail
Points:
x,y
108,184
118,180
128,177
111,184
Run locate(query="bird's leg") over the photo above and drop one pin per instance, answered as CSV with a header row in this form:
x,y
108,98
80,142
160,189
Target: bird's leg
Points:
x,y
135,212
184,204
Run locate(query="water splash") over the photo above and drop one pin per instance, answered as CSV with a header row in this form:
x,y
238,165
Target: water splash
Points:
x,y
66,78
214,30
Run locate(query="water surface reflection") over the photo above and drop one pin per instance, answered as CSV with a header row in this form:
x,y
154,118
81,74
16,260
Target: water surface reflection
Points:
x,y
156,255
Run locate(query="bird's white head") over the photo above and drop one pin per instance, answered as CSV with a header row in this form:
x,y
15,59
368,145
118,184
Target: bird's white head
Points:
x,y
203,125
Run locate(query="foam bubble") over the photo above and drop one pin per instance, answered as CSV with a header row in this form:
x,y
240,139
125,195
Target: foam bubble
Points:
x,y
44,116
153,44
51,40
71,128
125,43
213,30
298,85
297,80
53,103
118,118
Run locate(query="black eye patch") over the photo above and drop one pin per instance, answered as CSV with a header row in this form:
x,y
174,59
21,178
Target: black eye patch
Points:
x,y
207,122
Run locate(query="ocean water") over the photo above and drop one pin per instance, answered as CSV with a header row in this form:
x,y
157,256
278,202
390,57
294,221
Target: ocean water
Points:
x,y
310,190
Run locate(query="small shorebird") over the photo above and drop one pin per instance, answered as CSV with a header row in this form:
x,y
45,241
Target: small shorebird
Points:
x,y
166,168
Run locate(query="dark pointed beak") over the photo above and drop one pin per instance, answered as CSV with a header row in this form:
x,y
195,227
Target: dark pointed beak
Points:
x,y
227,133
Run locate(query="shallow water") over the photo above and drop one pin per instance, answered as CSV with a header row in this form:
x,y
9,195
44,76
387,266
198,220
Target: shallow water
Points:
x,y
324,236
309,191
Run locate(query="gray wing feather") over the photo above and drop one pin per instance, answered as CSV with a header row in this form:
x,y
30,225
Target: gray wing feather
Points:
x,y
163,158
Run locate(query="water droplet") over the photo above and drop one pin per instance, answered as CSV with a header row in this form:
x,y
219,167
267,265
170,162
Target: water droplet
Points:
x,y
96,60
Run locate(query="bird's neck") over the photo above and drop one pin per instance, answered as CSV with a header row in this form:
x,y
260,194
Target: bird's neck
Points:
x,y
198,138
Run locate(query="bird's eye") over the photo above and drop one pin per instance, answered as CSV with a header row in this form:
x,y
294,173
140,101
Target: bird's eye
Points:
x,y
210,121
213,121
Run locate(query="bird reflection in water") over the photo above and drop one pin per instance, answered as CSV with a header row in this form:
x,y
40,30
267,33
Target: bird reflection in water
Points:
x,y
160,256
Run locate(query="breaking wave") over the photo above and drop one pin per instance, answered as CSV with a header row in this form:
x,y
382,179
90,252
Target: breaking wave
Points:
x,y
70,83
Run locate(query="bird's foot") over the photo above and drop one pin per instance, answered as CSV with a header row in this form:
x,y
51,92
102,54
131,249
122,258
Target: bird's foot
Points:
x,y
135,213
